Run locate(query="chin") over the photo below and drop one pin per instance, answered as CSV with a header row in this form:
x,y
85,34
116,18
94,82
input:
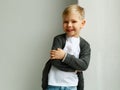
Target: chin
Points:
x,y
70,35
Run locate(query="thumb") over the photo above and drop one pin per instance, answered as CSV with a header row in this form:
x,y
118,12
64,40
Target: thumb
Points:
x,y
58,48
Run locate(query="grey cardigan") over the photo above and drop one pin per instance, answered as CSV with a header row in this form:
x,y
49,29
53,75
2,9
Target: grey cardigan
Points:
x,y
70,63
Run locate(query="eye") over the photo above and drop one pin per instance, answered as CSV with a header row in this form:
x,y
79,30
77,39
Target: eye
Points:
x,y
74,21
65,22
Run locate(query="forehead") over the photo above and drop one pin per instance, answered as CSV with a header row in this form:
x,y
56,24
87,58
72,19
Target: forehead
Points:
x,y
72,15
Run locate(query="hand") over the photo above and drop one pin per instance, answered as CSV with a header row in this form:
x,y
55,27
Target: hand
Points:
x,y
57,54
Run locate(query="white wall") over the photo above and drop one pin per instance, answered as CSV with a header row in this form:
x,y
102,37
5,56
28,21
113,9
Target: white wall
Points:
x,y
102,31
27,28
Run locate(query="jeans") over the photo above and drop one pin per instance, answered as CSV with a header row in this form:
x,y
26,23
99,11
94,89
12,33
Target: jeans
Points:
x,y
62,88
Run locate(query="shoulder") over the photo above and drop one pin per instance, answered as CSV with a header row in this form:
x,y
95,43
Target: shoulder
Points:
x,y
59,40
60,36
84,43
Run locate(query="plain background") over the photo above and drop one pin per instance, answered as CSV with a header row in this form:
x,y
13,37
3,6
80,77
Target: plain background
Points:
x,y
27,28
103,32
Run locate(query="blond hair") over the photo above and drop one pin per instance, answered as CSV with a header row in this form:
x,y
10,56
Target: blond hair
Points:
x,y
74,8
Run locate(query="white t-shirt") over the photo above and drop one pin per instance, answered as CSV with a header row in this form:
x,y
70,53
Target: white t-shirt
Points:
x,y
57,77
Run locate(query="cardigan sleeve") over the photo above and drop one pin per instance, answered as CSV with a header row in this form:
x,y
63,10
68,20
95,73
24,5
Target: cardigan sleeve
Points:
x,y
71,63
82,62
59,42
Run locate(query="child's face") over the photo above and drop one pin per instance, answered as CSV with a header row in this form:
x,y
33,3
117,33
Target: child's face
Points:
x,y
72,24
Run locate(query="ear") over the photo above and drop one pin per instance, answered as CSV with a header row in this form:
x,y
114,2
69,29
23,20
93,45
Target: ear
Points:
x,y
83,22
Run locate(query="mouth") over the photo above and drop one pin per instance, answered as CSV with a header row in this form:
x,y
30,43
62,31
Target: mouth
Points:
x,y
69,30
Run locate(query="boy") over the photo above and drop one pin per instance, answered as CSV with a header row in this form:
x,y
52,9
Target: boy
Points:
x,y
70,54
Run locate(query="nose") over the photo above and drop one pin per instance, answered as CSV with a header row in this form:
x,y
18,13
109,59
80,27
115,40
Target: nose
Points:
x,y
69,24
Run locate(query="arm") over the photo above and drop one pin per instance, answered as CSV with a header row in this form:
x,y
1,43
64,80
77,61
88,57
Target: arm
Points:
x,y
57,57
71,63
82,62
59,42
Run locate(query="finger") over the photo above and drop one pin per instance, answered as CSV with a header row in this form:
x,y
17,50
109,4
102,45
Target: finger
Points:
x,y
53,50
58,48
52,57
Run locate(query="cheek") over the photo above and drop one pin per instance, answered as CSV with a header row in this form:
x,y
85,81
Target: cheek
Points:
x,y
78,26
64,26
